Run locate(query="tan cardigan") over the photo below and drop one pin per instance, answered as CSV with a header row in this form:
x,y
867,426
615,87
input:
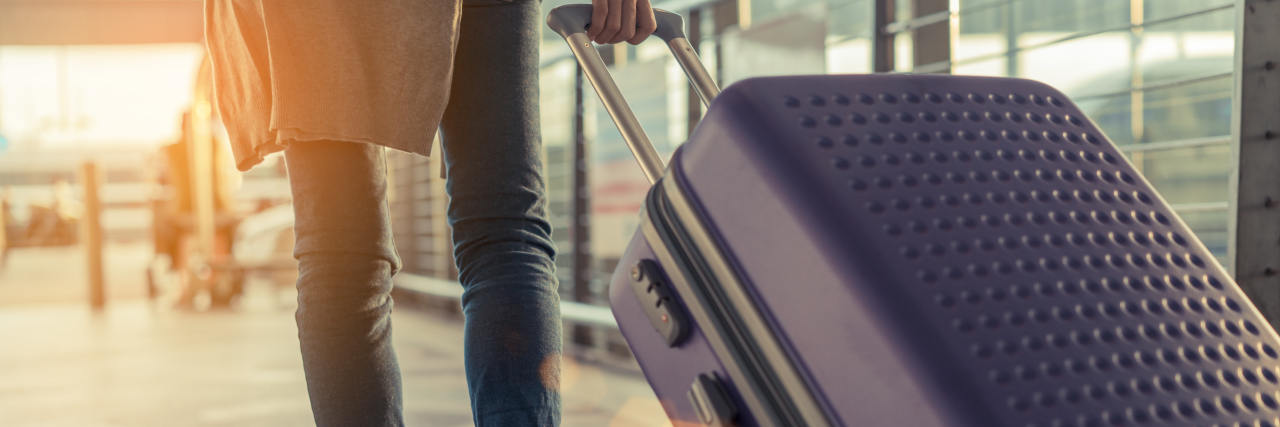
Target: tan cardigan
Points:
x,y
375,71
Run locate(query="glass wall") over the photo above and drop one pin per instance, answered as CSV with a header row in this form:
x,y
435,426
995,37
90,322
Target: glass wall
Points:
x,y
557,112
1155,75
418,201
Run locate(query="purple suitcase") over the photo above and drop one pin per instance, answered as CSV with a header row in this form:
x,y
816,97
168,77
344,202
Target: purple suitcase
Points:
x,y
922,250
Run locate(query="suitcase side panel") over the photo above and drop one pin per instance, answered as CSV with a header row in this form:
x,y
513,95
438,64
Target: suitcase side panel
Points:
x,y
1027,265
836,335
669,370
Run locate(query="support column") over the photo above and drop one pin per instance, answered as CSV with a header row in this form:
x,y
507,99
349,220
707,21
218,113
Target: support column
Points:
x,y
583,267
882,57
1137,99
1010,40
200,159
725,14
409,253
445,266
10,146
932,50
1254,218
91,233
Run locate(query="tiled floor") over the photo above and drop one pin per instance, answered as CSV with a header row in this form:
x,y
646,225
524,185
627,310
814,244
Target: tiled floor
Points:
x,y
136,364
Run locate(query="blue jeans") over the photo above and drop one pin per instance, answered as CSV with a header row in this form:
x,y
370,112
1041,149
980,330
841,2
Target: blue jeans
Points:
x,y
502,243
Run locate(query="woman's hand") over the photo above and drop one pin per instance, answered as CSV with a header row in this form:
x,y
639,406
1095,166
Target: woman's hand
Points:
x,y
614,21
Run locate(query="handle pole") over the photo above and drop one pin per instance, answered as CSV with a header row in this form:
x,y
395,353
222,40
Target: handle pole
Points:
x,y
598,74
571,22
702,82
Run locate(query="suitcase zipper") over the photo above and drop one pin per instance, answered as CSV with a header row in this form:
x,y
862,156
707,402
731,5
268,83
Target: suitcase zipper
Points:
x,y
773,382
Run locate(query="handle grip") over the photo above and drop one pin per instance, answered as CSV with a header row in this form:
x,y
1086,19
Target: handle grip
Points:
x,y
575,18
571,22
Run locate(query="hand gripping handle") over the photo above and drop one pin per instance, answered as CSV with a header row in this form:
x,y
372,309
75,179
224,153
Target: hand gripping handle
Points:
x,y
571,22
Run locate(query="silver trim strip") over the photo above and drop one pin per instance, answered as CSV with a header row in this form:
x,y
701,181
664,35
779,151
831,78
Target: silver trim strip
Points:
x,y
794,384
708,326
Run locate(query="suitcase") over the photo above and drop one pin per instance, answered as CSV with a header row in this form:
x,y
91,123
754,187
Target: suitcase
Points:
x,y
920,250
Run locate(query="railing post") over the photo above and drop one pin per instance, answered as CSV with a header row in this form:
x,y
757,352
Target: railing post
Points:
x,y
1253,226
91,233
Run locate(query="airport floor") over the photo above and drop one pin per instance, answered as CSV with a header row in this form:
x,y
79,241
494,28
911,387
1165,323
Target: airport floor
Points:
x,y
141,364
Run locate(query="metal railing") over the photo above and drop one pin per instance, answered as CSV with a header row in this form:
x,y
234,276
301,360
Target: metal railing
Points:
x,y
1186,208
1171,145
1157,86
577,312
940,17
1083,34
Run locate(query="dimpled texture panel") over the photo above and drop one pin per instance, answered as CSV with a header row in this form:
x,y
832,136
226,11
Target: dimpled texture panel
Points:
x,y
1068,291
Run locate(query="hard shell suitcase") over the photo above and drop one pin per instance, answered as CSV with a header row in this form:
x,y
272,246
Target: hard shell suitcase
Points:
x,y
920,250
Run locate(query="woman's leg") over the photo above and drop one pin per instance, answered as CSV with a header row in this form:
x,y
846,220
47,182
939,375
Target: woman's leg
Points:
x,y
502,240
346,257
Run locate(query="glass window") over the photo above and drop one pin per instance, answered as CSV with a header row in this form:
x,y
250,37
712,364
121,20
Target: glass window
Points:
x,y
1166,81
788,45
557,108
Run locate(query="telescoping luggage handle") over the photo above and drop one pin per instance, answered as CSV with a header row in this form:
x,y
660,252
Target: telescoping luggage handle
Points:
x,y
571,22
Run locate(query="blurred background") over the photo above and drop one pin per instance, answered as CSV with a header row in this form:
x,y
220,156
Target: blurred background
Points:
x,y
145,281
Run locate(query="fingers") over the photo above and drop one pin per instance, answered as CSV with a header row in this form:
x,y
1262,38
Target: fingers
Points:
x,y
599,14
627,27
616,21
612,23
646,24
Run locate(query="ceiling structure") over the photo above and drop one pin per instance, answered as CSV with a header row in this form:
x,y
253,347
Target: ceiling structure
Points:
x,y
79,22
